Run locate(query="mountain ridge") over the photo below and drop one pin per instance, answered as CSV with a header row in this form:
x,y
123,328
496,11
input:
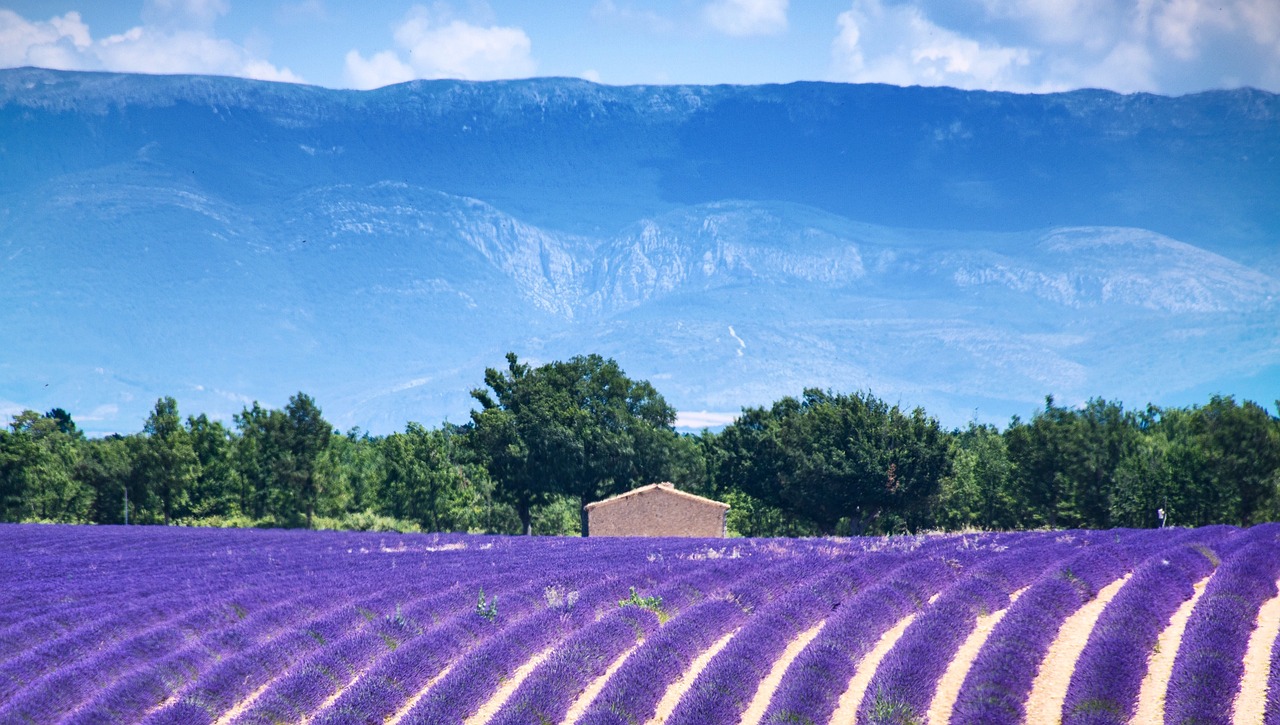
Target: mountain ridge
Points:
x,y
732,251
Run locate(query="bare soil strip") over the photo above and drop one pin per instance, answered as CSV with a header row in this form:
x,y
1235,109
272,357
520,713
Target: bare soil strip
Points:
x,y
504,693
851,700
1251,700
243,705
1049,692
1150,709
588,695
944,698
676,690
760,702
408,705
333,697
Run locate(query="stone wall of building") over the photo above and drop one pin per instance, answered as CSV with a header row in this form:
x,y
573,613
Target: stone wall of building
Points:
x,y
657,511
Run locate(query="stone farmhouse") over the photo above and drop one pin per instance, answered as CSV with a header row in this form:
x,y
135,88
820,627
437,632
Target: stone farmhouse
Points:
x,y
657,510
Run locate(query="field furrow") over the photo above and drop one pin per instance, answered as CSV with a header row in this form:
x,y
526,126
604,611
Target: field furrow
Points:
x,y
320,628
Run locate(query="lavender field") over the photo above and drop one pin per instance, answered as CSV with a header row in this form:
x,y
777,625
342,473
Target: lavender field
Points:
x,y
169,625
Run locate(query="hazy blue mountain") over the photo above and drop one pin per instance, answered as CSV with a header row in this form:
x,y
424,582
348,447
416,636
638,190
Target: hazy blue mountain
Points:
x,y
224,240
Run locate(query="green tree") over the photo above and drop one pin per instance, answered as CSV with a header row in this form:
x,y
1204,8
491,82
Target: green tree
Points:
x,y
421,484
37,460
167,464
978,492
307,435
106,467
216,489
1066,460
579,428
838,460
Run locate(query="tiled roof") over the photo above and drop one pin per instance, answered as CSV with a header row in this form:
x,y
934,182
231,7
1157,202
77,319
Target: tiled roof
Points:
x,y
666,486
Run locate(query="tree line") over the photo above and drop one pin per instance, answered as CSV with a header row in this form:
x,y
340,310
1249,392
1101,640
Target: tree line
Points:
x,y
544,441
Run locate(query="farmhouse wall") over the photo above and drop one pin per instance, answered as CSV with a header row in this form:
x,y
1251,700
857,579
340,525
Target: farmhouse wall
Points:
x,y
657,510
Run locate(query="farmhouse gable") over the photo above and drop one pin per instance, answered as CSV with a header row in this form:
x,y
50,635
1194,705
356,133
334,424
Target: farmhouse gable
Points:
x,y
658,509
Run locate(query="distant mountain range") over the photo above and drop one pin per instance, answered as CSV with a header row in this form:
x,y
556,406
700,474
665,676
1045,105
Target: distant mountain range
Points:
x,y
224,240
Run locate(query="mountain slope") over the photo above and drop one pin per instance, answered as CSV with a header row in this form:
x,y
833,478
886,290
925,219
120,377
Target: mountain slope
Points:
x,y
222,240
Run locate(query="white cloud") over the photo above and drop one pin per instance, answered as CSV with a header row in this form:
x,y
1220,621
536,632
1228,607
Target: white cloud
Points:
x,y
98,414
66,43
590,74
184,13
441,46
1164,46
900,45
747,17
610,11
697,420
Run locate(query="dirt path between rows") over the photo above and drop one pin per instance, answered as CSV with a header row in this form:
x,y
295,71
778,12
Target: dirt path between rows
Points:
x,y
1251,700
760,702
1049,691
851,700
667,704
508,688
243,705
408,705
944,698
588,696
1150,709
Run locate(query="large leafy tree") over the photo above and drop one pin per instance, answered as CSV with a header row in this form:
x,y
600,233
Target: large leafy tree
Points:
x,y
579,428
37,459
421,482
307,436
167,464
829,458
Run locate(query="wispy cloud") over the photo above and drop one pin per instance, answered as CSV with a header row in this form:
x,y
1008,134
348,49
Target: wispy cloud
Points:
x,y
433,43
1166,46
613,12
175,37
747,17
697,420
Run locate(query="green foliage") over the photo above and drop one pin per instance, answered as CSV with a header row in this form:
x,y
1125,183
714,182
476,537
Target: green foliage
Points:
x,y
487,609
579,428
548,439
652,603
827,457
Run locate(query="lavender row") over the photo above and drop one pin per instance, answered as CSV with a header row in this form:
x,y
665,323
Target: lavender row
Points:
x,y
725,688
811,687
905,681
1206,673
478,675
996,688
1109,673
1271,715
315,677
65,688
247,668
554,686
174,675
633,693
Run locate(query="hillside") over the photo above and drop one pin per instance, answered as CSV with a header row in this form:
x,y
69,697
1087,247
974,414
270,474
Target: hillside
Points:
x,y
223,240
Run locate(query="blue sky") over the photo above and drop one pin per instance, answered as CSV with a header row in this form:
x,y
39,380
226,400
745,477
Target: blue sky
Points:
x,y
1163,46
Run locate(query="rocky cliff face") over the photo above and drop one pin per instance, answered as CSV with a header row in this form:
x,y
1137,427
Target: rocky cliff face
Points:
x,y
224,240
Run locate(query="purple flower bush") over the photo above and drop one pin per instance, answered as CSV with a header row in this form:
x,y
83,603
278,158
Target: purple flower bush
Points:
x,y
633,693
1271,714
812,686
552,688
1206,673
1109,673
183,626
906,679
998,683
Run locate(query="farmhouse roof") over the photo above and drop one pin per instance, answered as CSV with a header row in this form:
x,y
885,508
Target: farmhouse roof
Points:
x,y
666,487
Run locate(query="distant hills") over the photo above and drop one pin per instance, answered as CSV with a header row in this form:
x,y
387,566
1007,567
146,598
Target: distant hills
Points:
x,y
223,240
